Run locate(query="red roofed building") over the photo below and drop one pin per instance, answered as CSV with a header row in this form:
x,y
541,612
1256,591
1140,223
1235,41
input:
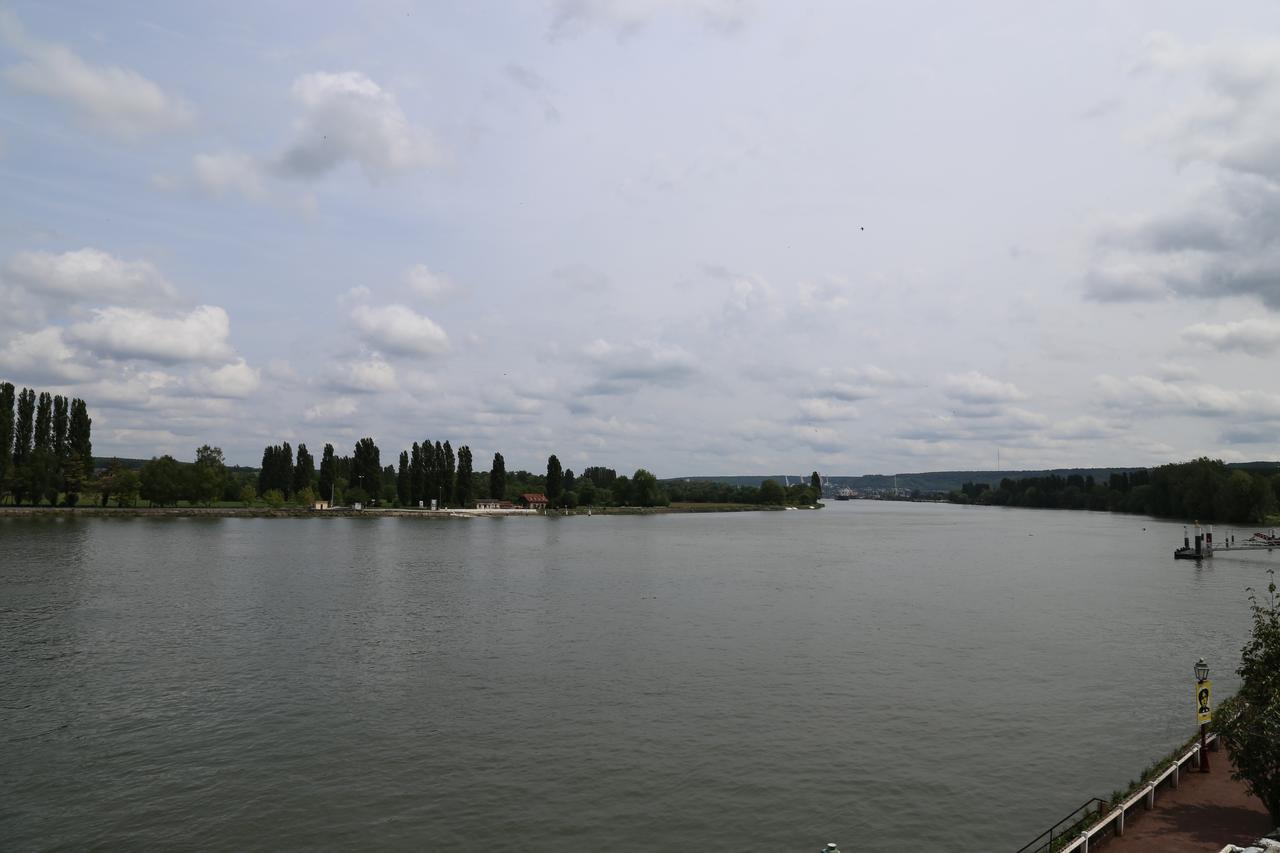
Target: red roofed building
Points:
x,y
534,501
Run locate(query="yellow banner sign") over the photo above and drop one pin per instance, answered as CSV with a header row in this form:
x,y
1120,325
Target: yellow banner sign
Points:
x,y
1204,711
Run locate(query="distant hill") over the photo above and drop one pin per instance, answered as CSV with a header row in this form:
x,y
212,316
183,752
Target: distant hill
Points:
x,y
941,481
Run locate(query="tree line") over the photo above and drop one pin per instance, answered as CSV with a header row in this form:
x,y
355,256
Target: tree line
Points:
x,y
1203,489
46,451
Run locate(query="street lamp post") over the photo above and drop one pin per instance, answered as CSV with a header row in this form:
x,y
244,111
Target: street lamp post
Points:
x,y
1202,709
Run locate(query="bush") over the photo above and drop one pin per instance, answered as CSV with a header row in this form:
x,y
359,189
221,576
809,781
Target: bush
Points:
x,y
1249,724
274,498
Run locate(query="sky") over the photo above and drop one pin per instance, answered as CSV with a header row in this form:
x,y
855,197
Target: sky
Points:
x,y
699,237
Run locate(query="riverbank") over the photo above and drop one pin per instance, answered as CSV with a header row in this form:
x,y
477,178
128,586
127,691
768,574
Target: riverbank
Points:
x,y
373,512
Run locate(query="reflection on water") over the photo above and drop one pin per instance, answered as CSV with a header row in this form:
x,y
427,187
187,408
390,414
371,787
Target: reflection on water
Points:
x,y
866,673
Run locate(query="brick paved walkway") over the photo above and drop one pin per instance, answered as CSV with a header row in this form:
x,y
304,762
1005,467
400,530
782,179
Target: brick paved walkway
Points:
x,y
1206,813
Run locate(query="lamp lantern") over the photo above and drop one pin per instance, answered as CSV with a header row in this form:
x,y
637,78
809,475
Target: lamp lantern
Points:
x,y
1202,670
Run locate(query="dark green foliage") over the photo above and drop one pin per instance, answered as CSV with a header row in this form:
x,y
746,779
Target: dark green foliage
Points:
x,y
60,417
161,481
6,434
416,475
25,426
328,473
1249,723
43,439
645,490
403,478
205,478
40,476
498,477
79,438
304,470
771,493
448,474
276,472
366,467
555,485
815,485
463,492
1203,489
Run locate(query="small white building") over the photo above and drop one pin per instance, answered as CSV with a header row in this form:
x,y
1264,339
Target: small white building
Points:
x,y
320,505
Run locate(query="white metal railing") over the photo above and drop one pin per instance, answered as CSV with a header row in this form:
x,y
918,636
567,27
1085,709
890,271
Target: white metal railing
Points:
x,y
1147,792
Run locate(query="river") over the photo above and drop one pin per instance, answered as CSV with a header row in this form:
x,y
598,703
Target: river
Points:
x,y
871,673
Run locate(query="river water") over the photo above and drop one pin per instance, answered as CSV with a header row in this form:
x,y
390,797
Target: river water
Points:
x,y
866,674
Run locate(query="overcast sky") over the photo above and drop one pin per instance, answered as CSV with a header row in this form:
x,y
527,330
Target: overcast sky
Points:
x,y
702,237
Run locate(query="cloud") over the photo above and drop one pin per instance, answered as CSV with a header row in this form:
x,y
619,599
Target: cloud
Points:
x,y
229,173
348,117
235,380
627,17
336,412
427,284
42,356
362,376
116,100
819,409
88,275
1144,394
125,333
1224,240
978,388
1255,335
625,369
398,329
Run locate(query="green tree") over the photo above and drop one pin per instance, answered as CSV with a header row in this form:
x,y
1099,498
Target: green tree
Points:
x,y
415,475
60,415
366,469
645,490
22,436
40,476
6,434
328,473
207,474
126,487
463,492
555,484
44,423
1249,723
161,481
107,481
79,435
248,494
273,498
815,485
449,474
304,470
498,477
404,476
771,493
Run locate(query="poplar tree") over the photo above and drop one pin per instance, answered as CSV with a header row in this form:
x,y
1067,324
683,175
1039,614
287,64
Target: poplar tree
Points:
x,y
554,481
22,438
304,470
366,468
328,471
402,479
815,483
498,477
449,466
44,423
60,417
79,438
415,474
6,432
463,491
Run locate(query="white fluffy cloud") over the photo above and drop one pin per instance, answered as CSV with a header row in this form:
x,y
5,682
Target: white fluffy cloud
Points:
x,y
125,333
229,173
427,284
398,329
978,388
348,117
114,99
626,368
233,380
338,411
362,376
1144,393
1255,335
42,356
88,275
1222,241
